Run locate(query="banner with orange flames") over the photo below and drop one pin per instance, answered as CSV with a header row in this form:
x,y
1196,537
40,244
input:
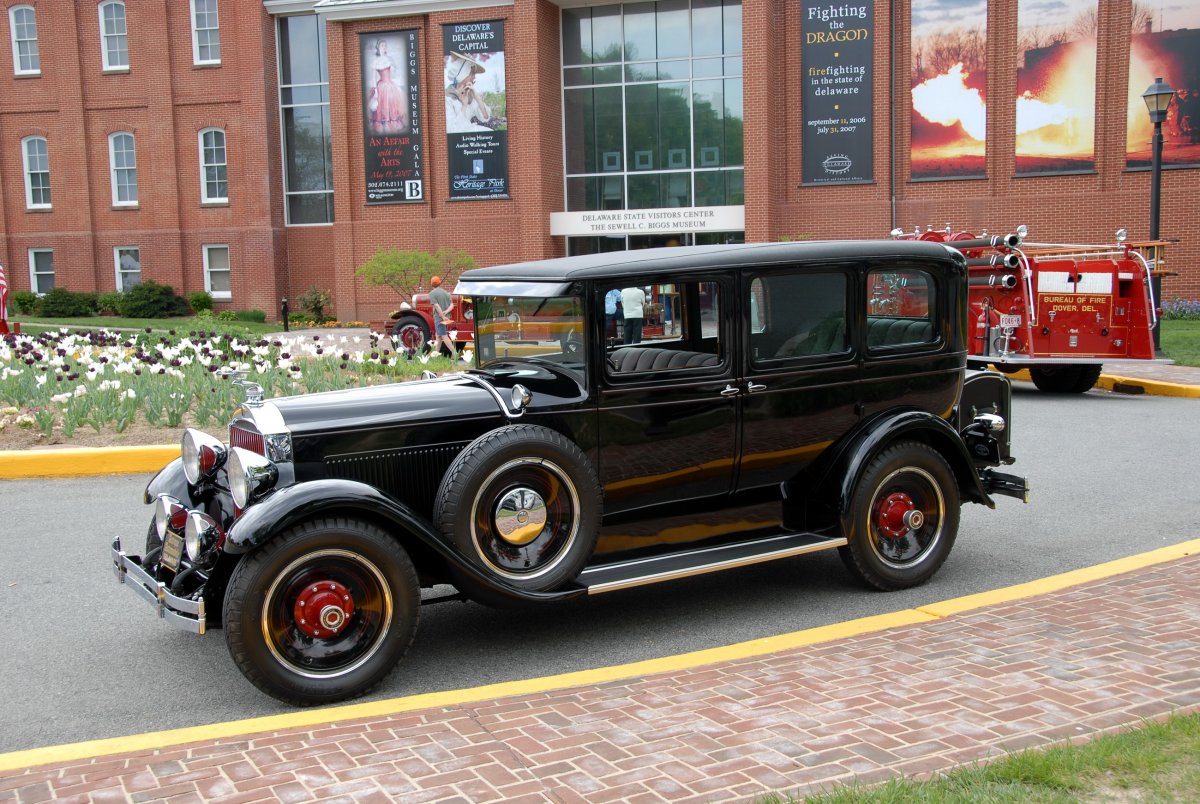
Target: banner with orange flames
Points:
x,y
949,89
1165,43
1056,86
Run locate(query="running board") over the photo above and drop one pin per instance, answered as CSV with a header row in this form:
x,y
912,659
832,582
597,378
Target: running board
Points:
x,y
642,571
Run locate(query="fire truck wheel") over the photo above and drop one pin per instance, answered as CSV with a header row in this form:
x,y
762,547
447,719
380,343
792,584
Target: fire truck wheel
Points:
x,y
903,517
523,501
412,333
1065,379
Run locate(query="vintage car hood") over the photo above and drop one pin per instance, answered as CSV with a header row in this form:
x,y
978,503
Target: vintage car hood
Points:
x,y
392,404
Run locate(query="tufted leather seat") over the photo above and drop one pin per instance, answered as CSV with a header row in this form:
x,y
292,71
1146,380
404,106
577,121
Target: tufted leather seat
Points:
x,y
895,331
828,337
648,358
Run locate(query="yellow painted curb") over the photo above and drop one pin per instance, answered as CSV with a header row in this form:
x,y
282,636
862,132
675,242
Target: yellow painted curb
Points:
x,y
685,661
81,461
1152,387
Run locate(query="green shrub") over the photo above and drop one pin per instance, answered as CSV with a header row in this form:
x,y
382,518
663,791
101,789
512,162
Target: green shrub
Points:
x,y
200,300
205,315
315,302
149,299
63,303
227,315
257,316
24,301
109,303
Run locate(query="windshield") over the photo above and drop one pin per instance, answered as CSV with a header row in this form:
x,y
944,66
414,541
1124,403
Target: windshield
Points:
x,y
543,327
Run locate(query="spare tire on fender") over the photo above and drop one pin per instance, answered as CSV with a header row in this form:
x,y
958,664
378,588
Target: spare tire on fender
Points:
x,y
524,503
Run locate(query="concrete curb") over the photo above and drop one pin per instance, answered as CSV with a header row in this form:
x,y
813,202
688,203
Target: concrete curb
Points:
x,y
84,461
1136,385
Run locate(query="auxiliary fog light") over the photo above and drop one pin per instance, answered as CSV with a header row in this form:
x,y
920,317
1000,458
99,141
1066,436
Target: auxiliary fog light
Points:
x,y
200,535
169,514
250,476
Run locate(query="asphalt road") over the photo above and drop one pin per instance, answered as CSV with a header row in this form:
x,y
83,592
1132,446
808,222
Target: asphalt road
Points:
x,y
85,658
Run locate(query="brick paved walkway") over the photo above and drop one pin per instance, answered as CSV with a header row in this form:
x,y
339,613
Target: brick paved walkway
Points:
x,y
910,700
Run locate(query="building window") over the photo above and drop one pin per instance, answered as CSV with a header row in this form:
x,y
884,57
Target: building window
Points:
x,y
128,262
122,160
22,23
114,38
206,33
653,105
214,180
304,113
41,270
216,272
36,155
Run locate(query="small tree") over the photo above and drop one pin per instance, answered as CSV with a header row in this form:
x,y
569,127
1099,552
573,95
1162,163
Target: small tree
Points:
x,y
315,302
408,272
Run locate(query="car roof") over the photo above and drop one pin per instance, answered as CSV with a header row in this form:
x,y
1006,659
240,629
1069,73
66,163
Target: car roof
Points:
x,y
684,259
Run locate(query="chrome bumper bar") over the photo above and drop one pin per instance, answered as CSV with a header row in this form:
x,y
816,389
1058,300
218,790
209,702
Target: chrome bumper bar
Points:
x,y
180,612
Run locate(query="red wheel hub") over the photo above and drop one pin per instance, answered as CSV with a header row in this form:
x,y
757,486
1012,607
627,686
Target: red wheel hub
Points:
x,y
896,515
323,609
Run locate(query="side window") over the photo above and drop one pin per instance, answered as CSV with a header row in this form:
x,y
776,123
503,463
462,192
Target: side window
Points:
x,y
662,326
22,24
900,308
797,315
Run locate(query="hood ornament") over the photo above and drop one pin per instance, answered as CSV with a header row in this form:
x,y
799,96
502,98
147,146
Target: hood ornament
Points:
x,y
254,392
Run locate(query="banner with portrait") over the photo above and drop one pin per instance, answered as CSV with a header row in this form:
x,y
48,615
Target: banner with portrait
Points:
x,y
1056,86
391,102
837,62
476,109
949,89
1165,43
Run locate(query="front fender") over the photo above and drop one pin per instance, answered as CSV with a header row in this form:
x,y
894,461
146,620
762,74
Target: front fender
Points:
x,y
294,504
840,474
172,481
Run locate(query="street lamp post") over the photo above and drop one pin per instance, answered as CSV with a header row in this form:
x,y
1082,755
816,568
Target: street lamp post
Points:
x,y
1157,97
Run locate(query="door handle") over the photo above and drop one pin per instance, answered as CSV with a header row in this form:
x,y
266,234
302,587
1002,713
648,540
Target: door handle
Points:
x,y
730,390
753,387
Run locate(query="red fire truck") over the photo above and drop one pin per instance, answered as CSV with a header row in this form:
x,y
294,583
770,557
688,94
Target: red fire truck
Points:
x,y
411,327
1060,310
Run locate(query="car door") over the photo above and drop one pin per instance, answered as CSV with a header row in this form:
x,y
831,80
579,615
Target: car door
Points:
x,y
668,404
800,368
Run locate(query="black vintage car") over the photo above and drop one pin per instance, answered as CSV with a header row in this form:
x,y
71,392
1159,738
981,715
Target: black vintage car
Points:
x,y
783,398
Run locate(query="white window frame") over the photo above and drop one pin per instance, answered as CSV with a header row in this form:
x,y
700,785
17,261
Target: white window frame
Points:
x,y
218,295
205,198
113,169
28,173
109,66
12,28
196,60
121,287
34,273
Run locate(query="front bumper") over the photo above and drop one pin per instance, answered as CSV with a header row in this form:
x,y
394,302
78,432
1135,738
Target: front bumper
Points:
x,y
180,612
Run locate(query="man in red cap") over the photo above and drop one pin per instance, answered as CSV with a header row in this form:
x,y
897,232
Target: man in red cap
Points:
x,y
443,307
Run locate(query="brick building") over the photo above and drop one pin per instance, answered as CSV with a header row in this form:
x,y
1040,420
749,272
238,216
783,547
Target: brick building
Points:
x,y
239,147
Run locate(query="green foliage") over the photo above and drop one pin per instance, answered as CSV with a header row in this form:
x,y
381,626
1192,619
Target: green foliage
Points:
x,y
316,303
227,315
24,301
63,303
149,299
257,316
109,303
200,300
408,272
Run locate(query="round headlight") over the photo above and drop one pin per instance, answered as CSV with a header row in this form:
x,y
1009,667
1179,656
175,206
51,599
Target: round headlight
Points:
x,y
250,476
168,513
202,454
200,535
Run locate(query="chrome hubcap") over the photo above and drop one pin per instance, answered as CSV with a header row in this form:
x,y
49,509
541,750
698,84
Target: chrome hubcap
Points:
x,y
520,516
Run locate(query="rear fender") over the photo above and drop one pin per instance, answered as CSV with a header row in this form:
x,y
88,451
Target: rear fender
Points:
x,y
291,505
833,478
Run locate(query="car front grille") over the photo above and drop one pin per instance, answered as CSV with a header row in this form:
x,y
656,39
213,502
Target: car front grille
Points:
x,y
240,435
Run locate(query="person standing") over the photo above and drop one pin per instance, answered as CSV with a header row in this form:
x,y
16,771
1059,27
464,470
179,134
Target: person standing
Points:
x,y
633,300
443,307
612,303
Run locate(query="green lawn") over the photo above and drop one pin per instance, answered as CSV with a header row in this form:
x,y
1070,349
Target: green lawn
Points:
x,y
1181,342
34,324
1160,762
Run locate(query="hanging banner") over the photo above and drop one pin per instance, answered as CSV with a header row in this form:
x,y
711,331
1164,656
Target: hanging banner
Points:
x,y
837,63
1165,43
1056,86
949,89
391,102
476,109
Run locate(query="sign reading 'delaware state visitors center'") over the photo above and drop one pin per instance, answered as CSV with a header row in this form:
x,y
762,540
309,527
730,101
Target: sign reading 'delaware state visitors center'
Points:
x,y
391,98
837,63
